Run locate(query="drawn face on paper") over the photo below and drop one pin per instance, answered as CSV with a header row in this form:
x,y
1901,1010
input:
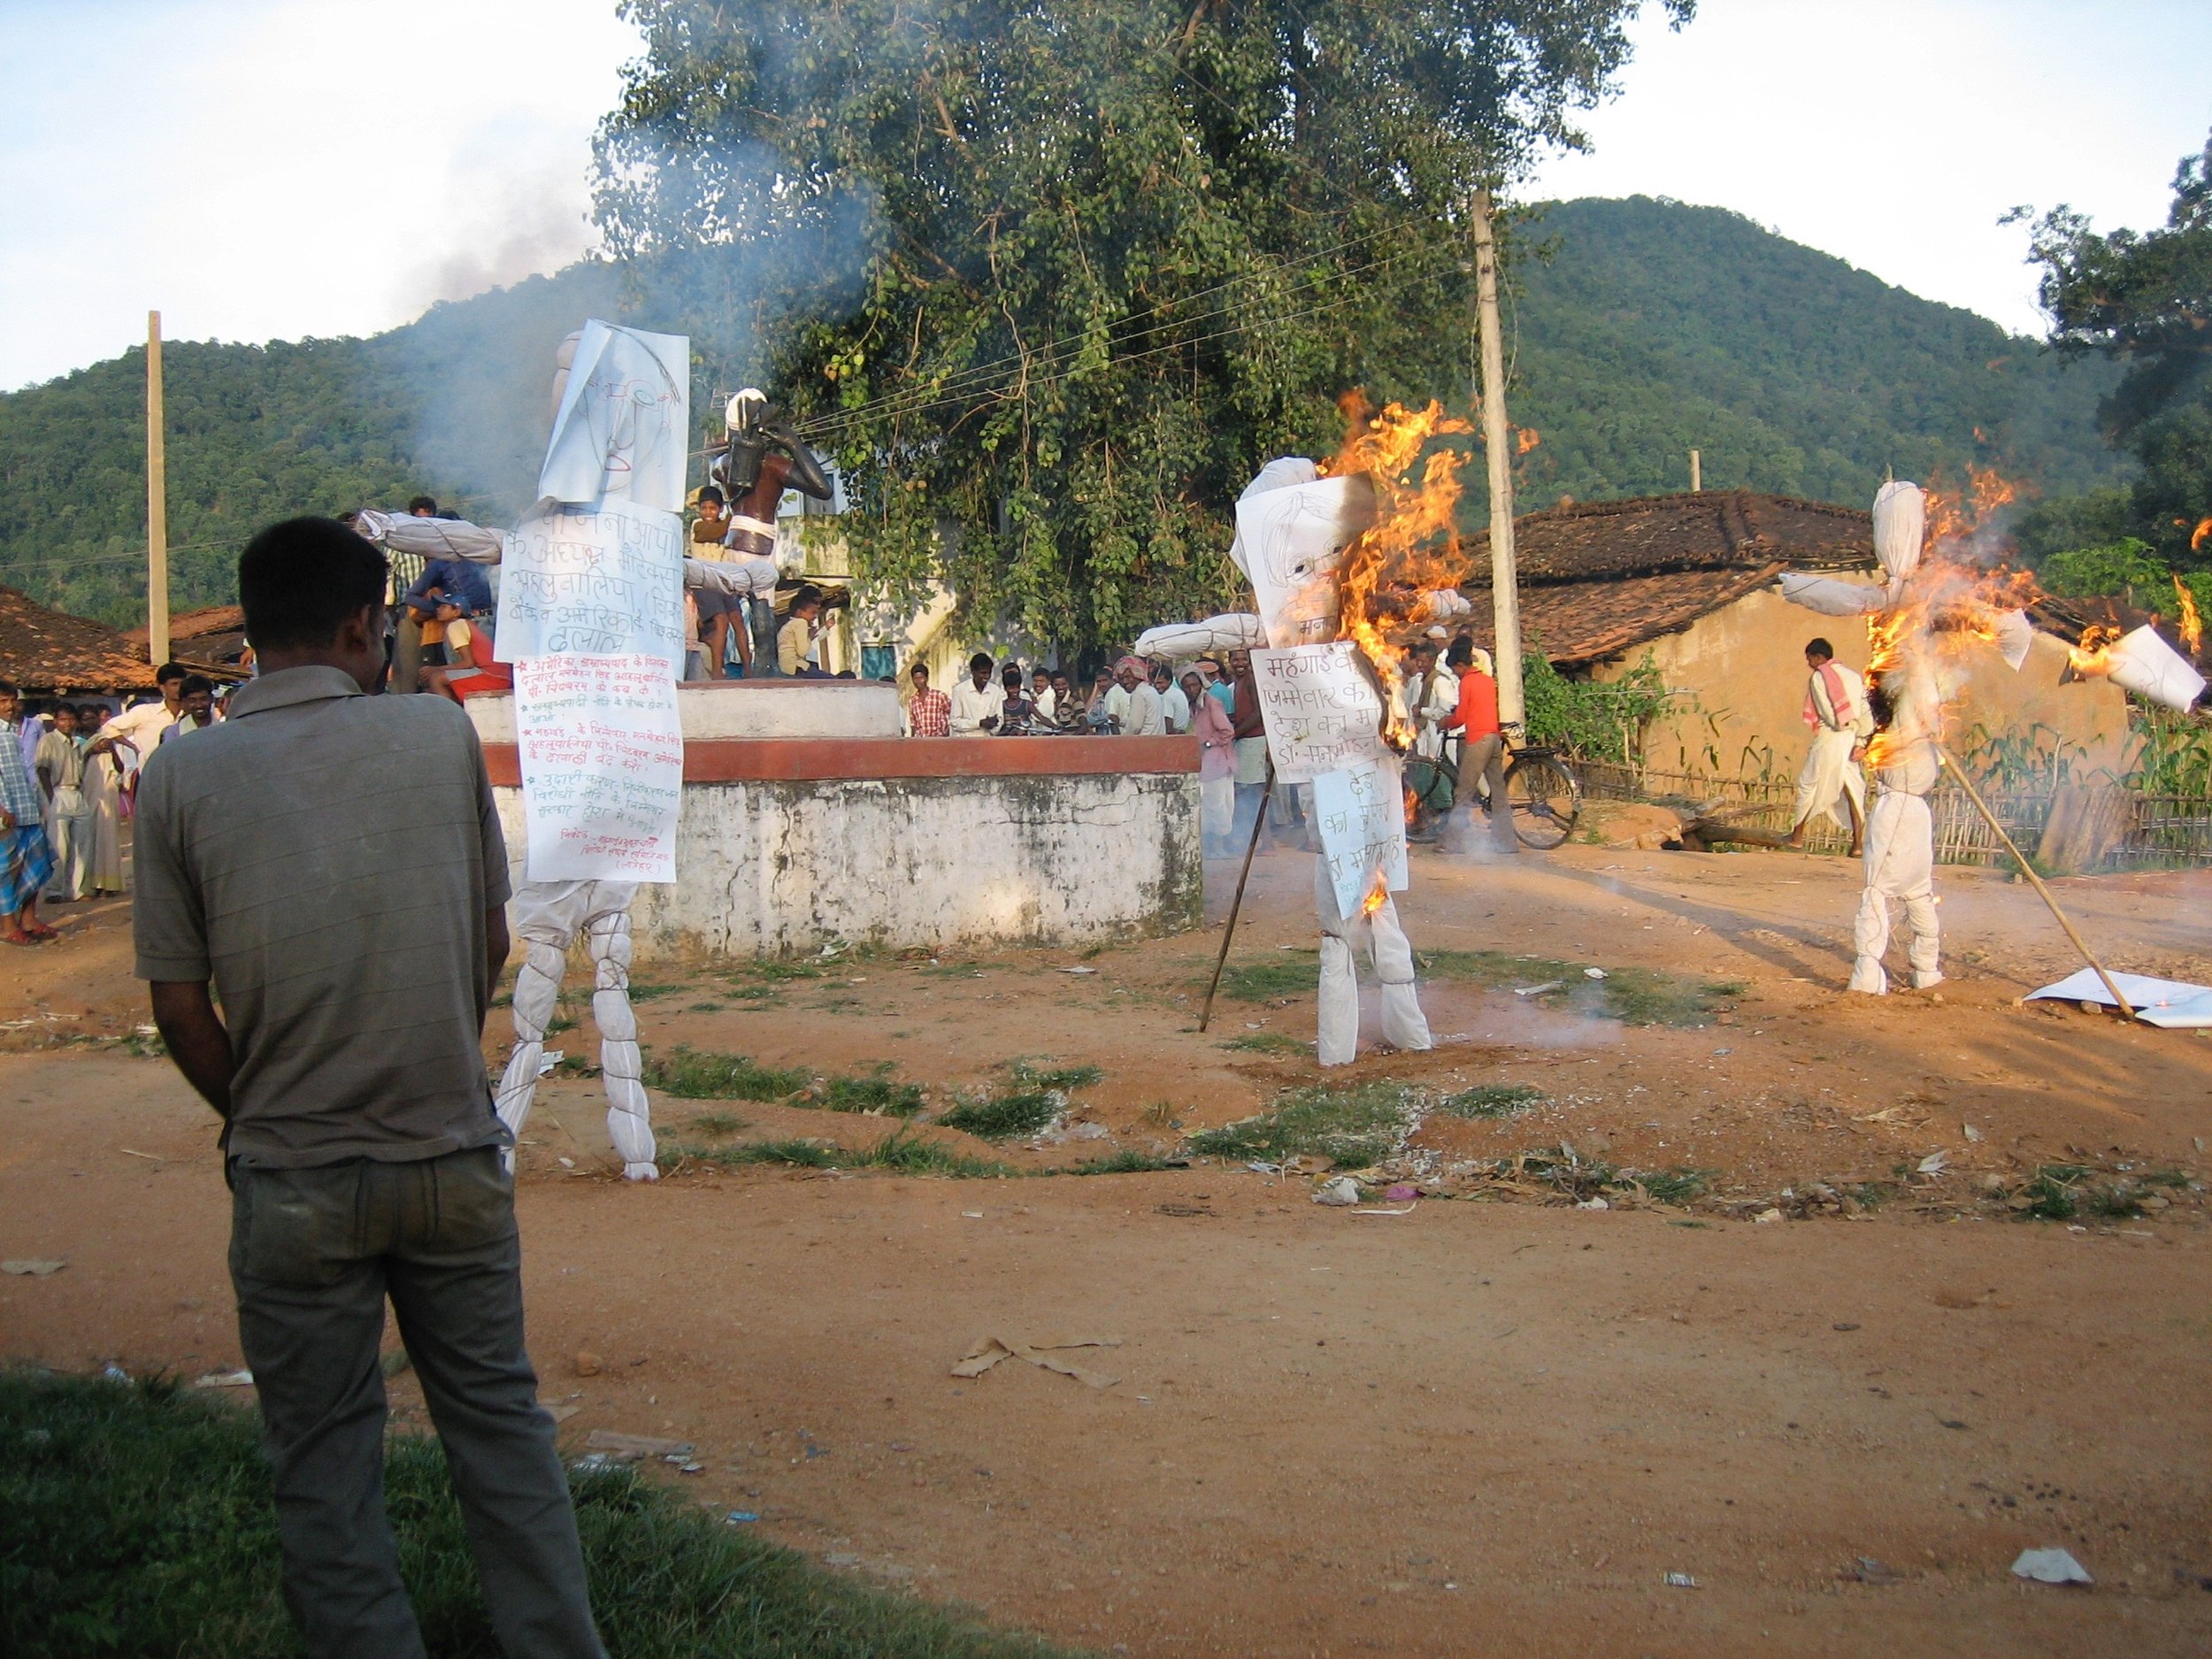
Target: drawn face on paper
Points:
x,y
1294,540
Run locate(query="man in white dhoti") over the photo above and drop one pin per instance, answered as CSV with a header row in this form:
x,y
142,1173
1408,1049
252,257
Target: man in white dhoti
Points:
x,y
1899,854
1378,935
1835,708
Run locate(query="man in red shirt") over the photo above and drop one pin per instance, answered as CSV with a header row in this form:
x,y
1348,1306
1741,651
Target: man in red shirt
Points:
x,y
1481,751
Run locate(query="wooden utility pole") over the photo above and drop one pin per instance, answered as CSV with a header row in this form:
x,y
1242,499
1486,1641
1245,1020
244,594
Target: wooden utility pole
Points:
x,y
1697,476
156,504
1497,442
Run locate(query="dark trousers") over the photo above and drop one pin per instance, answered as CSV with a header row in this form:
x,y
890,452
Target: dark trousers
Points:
x,y
313,1254
1482,757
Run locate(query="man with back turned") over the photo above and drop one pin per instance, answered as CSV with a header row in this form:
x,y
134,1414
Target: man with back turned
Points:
x,y
329,864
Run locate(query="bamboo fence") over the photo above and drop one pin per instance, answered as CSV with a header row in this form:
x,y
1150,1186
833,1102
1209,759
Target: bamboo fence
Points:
x,y
2162,830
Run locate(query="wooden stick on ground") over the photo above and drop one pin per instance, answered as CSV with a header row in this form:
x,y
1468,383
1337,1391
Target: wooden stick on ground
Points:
x,y
1990,818
1259,823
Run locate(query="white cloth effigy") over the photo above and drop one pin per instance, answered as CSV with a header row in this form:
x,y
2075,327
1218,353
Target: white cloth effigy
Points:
x,y
1901,866
1386,948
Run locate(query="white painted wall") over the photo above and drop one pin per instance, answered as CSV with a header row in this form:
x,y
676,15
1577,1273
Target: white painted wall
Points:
x,y
775,869
748,708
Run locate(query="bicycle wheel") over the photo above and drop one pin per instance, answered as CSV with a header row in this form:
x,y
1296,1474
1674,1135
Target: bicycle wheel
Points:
x,y
1545,796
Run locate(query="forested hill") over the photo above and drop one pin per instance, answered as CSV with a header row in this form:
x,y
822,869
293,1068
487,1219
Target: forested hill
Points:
x,y
1643,329
1647,329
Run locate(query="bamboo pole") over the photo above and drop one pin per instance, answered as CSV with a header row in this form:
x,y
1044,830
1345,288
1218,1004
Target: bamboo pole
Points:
x,y
1259,823
1497,442
157,504
2034,881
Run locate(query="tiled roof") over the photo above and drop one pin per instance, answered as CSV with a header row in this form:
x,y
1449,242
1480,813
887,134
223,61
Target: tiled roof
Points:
x,y
1658,534
210,638
1580,623
51,650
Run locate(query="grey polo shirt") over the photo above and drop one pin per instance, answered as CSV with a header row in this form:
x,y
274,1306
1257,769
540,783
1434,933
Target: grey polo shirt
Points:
x,y
326,858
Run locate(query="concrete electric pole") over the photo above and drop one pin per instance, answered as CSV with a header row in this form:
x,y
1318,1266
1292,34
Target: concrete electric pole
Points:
x,y
1497,442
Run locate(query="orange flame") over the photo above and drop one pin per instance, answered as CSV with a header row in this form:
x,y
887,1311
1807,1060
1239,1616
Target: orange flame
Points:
x,y
1412,547
2093,655
2197,536
1527,438
2192,628
1377,897
1958,517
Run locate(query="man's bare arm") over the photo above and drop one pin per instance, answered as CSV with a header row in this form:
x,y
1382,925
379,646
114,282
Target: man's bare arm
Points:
x,y
185,1015
496,944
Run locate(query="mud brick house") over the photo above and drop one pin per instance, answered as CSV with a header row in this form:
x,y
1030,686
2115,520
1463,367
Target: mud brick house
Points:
x,y
1689,582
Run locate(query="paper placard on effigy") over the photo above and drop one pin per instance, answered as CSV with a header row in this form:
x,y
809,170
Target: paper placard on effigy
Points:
x,y
603,766
622,428
1291,542
1321,709
1361,812
602,579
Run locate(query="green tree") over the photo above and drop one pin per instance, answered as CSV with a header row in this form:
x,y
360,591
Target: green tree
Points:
x,y
2144,299
1113,254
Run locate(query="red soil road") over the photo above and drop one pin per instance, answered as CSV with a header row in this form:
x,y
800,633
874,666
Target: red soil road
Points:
x,y
1323,1420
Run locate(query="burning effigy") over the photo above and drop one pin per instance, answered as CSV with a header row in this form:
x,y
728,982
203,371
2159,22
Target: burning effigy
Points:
x,y
1944,606
1343,557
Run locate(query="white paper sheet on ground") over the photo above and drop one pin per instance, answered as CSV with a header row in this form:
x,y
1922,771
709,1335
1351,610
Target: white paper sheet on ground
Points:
x,y
1292,540
1176,640
603,766
1360,811
606,580
1828,596
1901,522
2173,1003
624,422
1320,708
432,538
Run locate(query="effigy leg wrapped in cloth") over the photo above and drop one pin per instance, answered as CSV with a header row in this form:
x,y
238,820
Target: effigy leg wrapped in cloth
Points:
x,y
550,916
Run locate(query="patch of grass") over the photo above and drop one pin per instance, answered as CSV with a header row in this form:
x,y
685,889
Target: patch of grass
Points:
x,y
1160,1115
808,1155
761,995
2116,1202
1676,1185
1356,1127
775,971
695,1074
1065,1079
560,1023
575,1065
139,1522
1007,1116
720,1123
1490,1100
1634,996
1576,1178
646,993
1264,981
704,1008
1122,1162
2054,1193
1267,1042
878,1092
2175,1178
1871,1194
910,1154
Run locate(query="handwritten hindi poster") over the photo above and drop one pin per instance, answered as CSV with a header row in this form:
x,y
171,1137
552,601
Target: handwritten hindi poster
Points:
x,y
603,580
1360,811
603,766
1321,709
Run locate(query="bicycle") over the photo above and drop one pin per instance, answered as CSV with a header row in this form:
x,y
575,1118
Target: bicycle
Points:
x,y
1541,791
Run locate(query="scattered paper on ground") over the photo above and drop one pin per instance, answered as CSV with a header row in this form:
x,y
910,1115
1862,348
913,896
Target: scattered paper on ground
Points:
x,y
2174,1003
33,1267
989,1350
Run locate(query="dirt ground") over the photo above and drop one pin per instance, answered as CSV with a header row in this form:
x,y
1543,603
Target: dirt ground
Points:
x,y
1444,1425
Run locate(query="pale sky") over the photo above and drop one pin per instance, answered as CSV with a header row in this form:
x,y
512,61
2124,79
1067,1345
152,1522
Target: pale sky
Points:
x,y
268,169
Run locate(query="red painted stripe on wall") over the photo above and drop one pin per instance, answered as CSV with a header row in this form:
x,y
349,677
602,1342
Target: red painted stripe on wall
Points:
x,y
810,759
